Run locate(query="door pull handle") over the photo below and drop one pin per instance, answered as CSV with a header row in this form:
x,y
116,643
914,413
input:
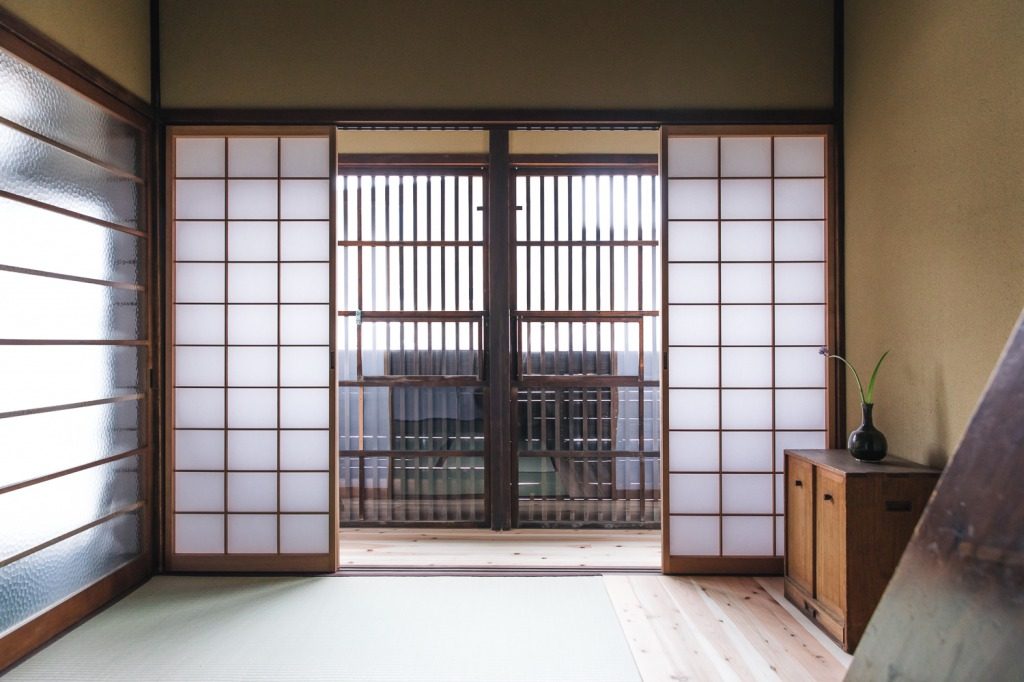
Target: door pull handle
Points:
x,y
828,497
798,483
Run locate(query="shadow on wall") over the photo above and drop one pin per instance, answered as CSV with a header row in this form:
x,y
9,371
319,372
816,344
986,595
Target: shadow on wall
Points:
x,y
938,452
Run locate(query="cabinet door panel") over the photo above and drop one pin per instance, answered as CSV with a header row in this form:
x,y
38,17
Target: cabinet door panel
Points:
x,y
800,522
830,525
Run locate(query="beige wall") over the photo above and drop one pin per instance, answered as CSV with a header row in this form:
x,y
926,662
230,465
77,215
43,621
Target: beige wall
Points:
x,y
934,207
497,53
112,35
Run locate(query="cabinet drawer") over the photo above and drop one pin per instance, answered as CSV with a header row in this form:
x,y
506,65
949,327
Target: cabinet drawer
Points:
x,y
800,523
830,529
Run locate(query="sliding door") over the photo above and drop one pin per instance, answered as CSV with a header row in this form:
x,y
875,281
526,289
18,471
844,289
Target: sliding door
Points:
x,y
747,234
251,475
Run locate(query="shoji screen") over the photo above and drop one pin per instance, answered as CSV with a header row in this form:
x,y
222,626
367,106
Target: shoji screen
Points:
x,y
253,475
747,230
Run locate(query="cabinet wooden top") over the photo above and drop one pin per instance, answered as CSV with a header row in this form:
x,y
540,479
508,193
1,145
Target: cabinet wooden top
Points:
x,y
842,462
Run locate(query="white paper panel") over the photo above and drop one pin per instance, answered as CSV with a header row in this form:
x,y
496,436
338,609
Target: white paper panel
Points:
x,y
306,241
252,157
799,240
195,366
305,408
199,283
746,367
198,491
800,156
198,533
254,408
747,409
748,535
252,366
252,199
747,241
800,283
199,449
796,440
305,450
780,493
305,366
252,283
746,199
691,367
252,240
305,533
304,492
747,493
746,325
305,324
746,283
693,493
693,536
799,367
780,536
252,492
306,199
199,199
746,157
252,450
199,157
252,533
693,240
800,324
305,157
800,409
692,409
692,157
692,283
693,324
199,240
693,451
747,451
305,283
800,199
198,408
252,324
199,324
692,199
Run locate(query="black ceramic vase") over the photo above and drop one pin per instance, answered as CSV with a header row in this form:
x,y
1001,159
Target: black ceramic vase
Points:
x,y
866,442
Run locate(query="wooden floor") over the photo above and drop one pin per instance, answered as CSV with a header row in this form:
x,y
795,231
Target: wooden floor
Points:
x,y
476,548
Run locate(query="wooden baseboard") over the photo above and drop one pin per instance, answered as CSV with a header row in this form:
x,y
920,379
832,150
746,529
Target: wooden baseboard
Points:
x,y
251,563
716,565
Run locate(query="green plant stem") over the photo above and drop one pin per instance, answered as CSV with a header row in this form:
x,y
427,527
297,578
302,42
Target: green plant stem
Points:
x,y
860,387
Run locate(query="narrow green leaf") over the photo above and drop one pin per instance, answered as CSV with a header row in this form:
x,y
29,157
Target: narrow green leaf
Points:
x,y
860,387
874,375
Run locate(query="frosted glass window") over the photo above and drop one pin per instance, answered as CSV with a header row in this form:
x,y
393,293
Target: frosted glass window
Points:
x,y
304,533
746,367
800,324
252,366
692,283
801,367
747,536
198,491
306,199
692,409
747,493
800,199
198,533
692,199
199,240
252,408
305,282
800,156
194,366
199,408
746,199
692,367
796,440
693,493
252,240
746,283
305,324
306,241
252,283
252,450
252,157
199,157
304,492
747,241
693,536
304,408
693,240
253,324
199,199
800,409
199,449
252,533
799,240
693,157
747,451
305,157
800,283
693,450
252,199
199,282
693,324
747,409
305,449
746,157
199,324
305,366
252,492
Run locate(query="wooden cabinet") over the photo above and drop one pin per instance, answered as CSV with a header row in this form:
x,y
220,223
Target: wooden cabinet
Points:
x,y
847,524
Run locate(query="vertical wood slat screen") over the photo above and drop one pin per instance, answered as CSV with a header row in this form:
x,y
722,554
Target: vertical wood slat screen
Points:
x,y
253,475
747,225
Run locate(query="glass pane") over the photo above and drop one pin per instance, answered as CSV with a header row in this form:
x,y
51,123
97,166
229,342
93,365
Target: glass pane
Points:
x,y
420,348
442,418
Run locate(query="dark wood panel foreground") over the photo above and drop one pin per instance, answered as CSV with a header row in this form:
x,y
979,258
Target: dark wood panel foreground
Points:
x,y
955,607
